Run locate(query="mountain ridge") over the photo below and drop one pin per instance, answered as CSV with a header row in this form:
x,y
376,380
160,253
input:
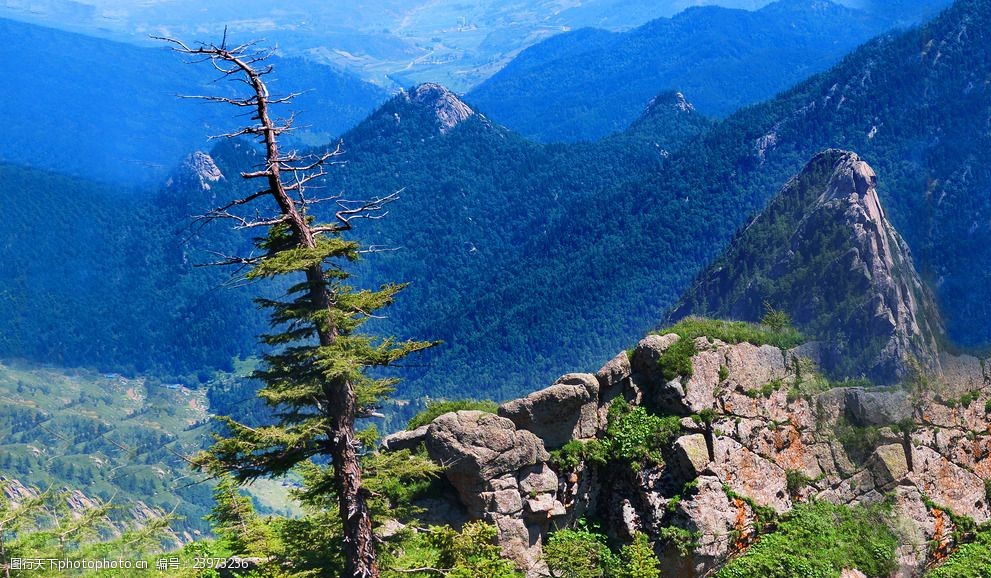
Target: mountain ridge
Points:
x,y
586,84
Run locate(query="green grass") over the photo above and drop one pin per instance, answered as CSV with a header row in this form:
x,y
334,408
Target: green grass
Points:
x,y
765,390
676,361
972,560
633,436
734,332
819,540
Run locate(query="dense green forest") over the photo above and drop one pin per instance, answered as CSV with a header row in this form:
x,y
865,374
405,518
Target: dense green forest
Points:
x,y
99,277
577,264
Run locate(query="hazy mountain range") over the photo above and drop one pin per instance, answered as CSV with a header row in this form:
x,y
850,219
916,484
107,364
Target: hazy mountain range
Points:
x,y
391,42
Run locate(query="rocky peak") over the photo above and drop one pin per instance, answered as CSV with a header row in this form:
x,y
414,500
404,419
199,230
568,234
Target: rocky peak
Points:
x,y
449,110
198,172
668,102
824,252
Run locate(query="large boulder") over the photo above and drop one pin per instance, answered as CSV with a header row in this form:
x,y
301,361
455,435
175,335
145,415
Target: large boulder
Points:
x,y
615,372
888,465
476,446
690,457
564,411
646,355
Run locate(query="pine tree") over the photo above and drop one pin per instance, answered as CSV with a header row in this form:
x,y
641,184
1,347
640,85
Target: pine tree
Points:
x,y
316,375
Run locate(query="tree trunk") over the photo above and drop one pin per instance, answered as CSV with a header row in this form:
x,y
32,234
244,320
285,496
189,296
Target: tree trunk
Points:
x,y
359,542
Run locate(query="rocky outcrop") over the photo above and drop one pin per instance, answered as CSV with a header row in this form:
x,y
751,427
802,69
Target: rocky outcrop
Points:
x,y
501,476
198,172
564,411
447,108
775,439
825,253
404,440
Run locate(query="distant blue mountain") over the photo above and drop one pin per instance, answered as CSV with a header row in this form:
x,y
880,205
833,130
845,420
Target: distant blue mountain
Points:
x,y
109,111
589,83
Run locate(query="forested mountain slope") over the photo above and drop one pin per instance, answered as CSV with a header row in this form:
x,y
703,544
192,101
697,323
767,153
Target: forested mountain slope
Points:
x,y
595,261
526,258
824,253
588,83
108,279
100,278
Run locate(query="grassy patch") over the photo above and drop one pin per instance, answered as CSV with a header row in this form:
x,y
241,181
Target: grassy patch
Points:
x,y
964,400
436,409
573,453
584,552
784,337
796,481
676,361
971,560
766,390
857,441
634,436
819,540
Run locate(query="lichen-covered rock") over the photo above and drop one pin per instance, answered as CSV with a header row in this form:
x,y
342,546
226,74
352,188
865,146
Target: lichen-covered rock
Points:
x,y
888,465
949,485
700,389
918,526
690,457
539,479
752,367
564,411
726,525
750,475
